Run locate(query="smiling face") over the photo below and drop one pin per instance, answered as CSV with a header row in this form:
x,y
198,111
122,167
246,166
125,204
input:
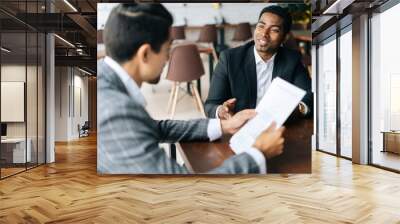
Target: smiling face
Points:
x,y
268,34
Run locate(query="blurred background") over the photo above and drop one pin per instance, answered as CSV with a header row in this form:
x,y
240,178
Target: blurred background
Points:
x,y
213,27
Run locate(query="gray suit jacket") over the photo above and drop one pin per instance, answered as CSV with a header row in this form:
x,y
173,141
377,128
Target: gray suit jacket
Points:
x,y
128,138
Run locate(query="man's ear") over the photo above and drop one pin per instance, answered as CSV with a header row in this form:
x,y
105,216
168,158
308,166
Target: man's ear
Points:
x,y
143,52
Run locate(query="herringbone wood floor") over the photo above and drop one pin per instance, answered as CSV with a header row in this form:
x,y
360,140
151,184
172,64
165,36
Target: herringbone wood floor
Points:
x,y
70,191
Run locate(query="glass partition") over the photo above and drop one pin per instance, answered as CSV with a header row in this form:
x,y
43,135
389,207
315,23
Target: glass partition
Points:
x,y
15,149
22,88
385,89
327,96
346,92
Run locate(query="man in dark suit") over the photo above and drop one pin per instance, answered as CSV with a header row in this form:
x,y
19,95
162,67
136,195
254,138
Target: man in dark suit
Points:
x,y
244,73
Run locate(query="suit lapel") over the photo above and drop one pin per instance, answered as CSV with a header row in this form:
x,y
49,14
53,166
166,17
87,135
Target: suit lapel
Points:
x,y
251,76
276,72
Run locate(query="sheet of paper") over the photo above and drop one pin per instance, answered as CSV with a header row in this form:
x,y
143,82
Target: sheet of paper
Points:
x,y
278,102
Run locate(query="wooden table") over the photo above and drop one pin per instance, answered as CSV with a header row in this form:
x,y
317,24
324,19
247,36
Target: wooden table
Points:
x,y
201,157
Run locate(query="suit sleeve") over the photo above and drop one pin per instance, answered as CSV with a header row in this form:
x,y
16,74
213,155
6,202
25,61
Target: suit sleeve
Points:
x,y
219,89
303,80
128,143
181,131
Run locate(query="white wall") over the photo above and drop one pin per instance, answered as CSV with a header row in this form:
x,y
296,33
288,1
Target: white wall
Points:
x,y
71,94
197,14
15,73
61,103
33,126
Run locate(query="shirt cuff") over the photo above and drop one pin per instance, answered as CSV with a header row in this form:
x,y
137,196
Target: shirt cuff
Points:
x,y
216,111
259,158
214,130
305,108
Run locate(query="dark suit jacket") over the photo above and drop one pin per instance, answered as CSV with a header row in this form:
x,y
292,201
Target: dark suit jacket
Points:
x,y
235,76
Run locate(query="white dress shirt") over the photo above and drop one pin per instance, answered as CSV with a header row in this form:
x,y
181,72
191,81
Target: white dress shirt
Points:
x,y
214,130
264,71
264,74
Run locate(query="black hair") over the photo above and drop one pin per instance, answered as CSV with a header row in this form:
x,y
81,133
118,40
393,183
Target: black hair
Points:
x,y
281,12
129,26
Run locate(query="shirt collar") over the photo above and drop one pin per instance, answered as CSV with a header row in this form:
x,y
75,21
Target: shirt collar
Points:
x,y
259,59
130,84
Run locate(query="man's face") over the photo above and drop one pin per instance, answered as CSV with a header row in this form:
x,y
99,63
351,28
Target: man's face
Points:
x,y
269,33
157,62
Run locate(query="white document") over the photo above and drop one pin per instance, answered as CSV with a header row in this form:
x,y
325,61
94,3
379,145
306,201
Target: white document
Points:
x,y
277,104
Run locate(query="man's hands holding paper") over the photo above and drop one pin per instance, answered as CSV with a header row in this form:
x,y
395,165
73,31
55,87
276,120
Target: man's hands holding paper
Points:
x,y
269,142
234,123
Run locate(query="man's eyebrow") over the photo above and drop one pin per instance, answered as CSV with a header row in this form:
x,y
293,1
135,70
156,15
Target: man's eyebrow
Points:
x,y
275,25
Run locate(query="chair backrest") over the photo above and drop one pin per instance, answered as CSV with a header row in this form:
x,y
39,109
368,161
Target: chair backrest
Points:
x,y
291,42
185,64
208,34
242,32
178,33
86,125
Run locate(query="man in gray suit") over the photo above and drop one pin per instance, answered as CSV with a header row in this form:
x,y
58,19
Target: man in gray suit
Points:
x,y
137,39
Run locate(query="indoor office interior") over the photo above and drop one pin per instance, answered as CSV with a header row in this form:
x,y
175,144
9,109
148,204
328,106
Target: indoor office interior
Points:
x,y
48,81
357,84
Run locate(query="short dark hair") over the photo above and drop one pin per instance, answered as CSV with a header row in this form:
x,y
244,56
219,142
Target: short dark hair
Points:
x,y
282,12
129,26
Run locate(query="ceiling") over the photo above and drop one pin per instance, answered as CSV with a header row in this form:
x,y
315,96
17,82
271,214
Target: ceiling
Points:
x,y
330,15
74,22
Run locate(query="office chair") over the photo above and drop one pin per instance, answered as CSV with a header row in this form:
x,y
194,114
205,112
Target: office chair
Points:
x,y
242,33
185,65
208,34
84,130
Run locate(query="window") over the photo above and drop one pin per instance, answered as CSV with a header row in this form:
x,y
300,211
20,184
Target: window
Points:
x,y
327,96
385,89
346,92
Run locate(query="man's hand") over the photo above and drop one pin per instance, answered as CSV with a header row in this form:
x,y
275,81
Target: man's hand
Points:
x,y
225,111
232,125
302,108
270,142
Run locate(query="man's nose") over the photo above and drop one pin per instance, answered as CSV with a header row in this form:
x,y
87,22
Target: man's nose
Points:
x,y
265,33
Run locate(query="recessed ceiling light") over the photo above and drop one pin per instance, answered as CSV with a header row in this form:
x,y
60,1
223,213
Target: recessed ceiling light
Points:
x,y
5,50
70,5
64,40
84,71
